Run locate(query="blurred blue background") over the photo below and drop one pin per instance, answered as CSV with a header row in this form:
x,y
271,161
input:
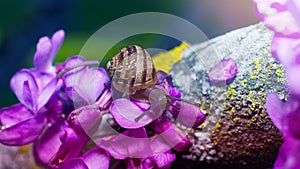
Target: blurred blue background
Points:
x,y
23,22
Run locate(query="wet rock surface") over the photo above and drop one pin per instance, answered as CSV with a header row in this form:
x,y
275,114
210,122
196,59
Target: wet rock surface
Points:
x,y
238,132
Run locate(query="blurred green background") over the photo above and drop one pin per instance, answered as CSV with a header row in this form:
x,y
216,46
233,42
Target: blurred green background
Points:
x,y
23,22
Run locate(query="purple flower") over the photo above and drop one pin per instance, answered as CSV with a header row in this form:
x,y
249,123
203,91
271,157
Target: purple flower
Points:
x,y
96,158
46,146
281,16
223,72
144,153
286,117
120,146
162,160
84,84
86,119
46,51
173,136
287,51
19,125
34,89
72,144
168,135
23,123
188,115
62,105
125,112
162,77
81,122
289,154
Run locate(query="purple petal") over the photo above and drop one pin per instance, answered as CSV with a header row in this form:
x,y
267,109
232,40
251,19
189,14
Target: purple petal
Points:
x,y
74,163
289,154
42,79
293,80
274,108
148,163
142,105
23,132
96,159
171,90
134,164
86,85
48,91
163,159
56,41
294,8
105,99
91,84
291,119
125,112
121,146
41,56
46,51
162,77
49,143
69,63
77,100
14,114
159,145
189,115
223,72
271,12
54,109
72,145
26,89
182,140
286,50
173,136
141,163
85,118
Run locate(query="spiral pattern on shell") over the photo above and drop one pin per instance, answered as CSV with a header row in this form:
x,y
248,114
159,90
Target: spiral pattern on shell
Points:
x,y
131,70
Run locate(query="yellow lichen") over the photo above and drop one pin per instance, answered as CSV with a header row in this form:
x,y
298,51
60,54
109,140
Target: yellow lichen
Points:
x,y
236,120
203,106
230,92
201,126
280,80
164,61
254,119
218,127
279,72
232,110
244,82
256,62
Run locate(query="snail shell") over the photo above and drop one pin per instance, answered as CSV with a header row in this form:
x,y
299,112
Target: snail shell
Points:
x,y
131,70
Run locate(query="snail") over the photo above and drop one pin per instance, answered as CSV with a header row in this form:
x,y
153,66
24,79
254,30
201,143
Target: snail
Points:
x,y
132,72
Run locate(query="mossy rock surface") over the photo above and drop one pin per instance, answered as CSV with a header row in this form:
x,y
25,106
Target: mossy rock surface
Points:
x,y
238,133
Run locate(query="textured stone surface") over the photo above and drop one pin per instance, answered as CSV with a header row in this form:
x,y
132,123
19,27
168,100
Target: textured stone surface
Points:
x,y
237,132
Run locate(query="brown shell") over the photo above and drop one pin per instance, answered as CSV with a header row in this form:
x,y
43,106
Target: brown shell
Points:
x,y
132,70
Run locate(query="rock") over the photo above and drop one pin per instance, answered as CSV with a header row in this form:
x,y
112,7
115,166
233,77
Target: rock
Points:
x,y
238,132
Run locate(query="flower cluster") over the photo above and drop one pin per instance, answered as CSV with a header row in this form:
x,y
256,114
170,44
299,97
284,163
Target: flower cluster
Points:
x,y
283,17
63,106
